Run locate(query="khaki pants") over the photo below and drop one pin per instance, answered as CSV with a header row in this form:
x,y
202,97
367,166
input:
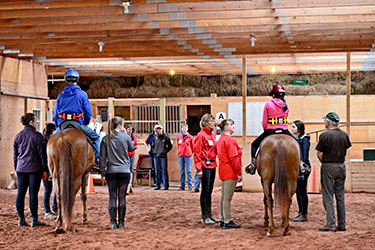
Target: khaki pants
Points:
x,y
227,190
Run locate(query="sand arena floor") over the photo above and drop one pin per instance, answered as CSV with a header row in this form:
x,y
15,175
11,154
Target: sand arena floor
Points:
x,y
171,220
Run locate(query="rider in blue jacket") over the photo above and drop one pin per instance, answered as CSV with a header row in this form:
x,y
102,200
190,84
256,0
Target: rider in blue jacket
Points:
x,y
73,104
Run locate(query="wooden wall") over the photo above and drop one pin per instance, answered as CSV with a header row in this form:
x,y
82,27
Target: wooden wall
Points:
x,y
18,78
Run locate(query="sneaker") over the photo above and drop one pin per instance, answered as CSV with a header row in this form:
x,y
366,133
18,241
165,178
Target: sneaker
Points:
x,y
327,229
221,224
300,218
50,216
181,188
207,221
339,228
195,190
22,222
37,223
213,219
157,188
231,224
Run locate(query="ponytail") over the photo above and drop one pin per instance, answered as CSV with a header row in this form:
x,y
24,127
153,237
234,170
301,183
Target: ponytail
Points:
x,y
281,97
113,124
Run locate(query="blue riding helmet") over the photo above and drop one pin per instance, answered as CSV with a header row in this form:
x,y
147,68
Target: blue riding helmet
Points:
x,y
71,76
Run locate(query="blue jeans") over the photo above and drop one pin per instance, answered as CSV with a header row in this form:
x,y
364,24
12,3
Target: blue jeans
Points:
x,y
47,194
161,164
131,158
197,181
93,135
185,161
152,159
29,181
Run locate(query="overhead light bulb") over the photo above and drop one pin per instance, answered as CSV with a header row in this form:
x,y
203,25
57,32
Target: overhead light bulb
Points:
x,y
252,39
126,6
273,69
171,72
101,44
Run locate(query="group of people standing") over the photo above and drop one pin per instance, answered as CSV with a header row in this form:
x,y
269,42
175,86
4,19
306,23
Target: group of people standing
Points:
x,y
115,157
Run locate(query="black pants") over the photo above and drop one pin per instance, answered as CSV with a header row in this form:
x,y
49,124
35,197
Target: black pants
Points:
x,y
256,143
208,180
29,181
301,193
117,186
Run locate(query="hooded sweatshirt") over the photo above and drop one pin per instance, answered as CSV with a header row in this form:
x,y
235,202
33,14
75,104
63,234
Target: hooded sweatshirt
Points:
x,y
72,100
274,109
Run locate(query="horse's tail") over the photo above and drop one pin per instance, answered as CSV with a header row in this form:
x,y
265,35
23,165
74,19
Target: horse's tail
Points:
x,y
67,178
281,182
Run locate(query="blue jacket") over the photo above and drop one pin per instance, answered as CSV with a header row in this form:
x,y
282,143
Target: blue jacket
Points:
x,y
72,100
28,151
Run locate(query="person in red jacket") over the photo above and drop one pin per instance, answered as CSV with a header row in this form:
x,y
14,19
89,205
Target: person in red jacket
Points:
x,y
230,171
130,132
205,163
185,142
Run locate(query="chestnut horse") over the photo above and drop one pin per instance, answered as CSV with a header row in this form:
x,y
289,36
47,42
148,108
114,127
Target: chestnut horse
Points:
x,y
70,159
278,162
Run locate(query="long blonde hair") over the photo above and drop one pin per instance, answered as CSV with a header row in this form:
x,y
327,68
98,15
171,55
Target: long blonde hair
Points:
x,y
113,124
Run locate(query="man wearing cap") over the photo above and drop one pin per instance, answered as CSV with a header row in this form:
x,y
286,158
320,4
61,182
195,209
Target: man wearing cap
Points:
x,y
160,147
147,142
331,149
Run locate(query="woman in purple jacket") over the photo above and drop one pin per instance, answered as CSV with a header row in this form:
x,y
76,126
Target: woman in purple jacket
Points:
x,y
30,166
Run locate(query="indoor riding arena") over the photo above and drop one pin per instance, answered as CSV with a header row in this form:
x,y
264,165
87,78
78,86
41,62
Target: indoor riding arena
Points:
x,y
168,63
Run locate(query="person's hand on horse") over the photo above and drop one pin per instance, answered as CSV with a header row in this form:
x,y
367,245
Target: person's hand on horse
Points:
x,y
239,178
44,175
200,174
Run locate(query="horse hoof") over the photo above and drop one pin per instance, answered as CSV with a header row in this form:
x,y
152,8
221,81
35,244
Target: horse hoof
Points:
x,y
286,233
59,231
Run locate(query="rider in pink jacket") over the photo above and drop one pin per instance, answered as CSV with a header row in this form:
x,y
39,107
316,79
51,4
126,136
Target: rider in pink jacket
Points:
x,y
275,120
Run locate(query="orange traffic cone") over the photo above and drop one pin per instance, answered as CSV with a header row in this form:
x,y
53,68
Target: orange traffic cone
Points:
x,y
313,183
91,189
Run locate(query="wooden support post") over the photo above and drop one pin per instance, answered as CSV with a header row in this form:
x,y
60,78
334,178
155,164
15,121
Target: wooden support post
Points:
x,y
162,113
348,184
244,94
111,107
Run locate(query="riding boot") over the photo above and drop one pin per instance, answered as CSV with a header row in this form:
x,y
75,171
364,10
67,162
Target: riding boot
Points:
x,y
121,217
22,222
250,169
35,222
113,215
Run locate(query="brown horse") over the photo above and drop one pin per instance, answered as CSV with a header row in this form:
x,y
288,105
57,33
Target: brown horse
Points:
x,y
278,162
70,159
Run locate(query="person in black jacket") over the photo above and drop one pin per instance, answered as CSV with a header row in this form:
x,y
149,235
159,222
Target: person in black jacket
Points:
x,y
161,145
31,166
298,131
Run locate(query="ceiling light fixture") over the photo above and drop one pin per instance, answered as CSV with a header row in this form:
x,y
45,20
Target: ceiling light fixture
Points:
x,y
252,39
126,6
171,72
101,44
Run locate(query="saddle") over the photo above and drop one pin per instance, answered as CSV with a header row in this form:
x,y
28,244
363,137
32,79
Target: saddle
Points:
x,y
74,124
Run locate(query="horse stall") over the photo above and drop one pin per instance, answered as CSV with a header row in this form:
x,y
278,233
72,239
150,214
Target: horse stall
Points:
x,y
23,86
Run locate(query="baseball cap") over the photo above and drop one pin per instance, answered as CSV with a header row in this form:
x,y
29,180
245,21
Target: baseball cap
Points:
x,y
158,126
332,116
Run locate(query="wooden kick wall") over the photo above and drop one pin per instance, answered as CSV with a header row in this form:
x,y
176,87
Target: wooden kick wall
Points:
x,y
22,84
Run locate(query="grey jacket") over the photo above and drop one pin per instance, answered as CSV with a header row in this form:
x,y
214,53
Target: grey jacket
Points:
x,y
114,154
